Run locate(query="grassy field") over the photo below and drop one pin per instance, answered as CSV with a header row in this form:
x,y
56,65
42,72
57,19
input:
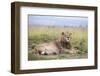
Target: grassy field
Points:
x,y
38,35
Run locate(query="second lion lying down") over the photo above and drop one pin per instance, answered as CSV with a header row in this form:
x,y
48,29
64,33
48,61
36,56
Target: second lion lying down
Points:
x,y
54,47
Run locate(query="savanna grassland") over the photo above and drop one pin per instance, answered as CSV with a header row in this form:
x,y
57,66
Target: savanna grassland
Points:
x,y
38,35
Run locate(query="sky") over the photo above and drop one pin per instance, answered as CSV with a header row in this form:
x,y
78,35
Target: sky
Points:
x,y
37,20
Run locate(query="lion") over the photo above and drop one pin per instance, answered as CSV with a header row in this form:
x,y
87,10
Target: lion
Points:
x,y
55,47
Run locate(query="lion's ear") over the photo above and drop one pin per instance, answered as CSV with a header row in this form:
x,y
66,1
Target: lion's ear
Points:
x,y
62,33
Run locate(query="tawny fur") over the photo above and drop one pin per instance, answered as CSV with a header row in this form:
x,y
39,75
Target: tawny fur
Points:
x,y
54,47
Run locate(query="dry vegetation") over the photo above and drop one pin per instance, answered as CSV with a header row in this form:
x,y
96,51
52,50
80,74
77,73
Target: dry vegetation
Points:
x,y
38,35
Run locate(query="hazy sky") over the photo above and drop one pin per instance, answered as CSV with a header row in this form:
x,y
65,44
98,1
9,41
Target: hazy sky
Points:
x,y
57,20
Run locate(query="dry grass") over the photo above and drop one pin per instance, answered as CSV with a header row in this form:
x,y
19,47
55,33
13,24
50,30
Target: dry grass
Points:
x,y
39,35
